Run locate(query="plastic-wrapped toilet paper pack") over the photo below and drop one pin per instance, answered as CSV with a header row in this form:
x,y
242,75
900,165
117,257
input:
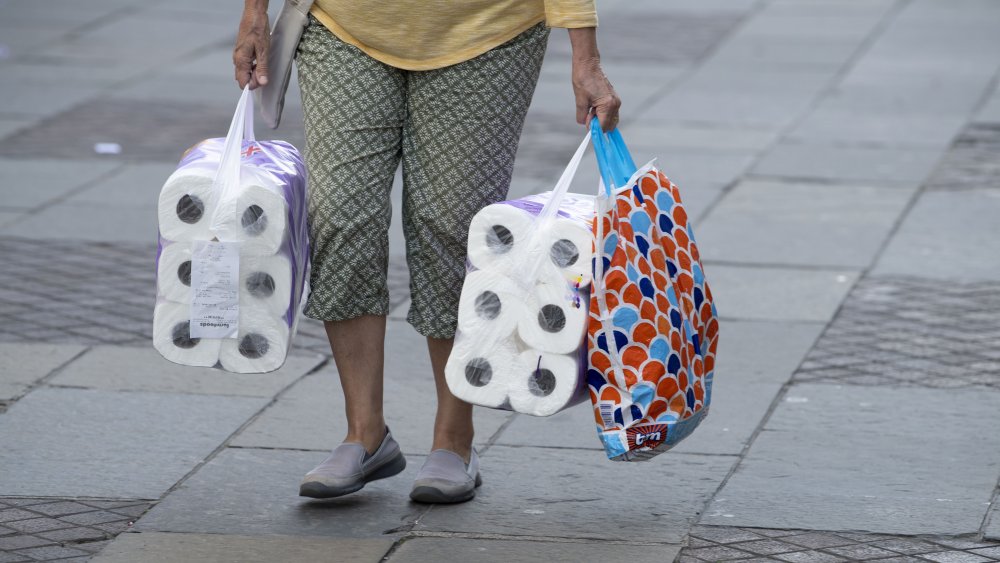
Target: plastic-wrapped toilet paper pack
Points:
x,y
490,302
499,233
172,337
261,344
186,204
266,282
483,375
554,318
523,311
548,383
248,198
173,272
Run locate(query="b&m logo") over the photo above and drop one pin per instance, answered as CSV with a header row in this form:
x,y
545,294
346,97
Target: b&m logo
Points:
x,y
646,436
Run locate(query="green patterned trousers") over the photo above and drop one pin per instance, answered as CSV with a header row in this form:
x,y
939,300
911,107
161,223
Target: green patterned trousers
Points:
x,y
456,130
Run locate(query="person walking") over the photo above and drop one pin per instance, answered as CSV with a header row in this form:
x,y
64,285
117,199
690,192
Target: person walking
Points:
x,y
443,87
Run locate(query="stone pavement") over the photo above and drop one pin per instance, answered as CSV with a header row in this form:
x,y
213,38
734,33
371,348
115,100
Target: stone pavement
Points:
x,y
840,158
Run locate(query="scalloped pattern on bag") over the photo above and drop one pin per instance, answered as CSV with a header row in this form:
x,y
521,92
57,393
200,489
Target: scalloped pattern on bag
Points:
x,y
653,324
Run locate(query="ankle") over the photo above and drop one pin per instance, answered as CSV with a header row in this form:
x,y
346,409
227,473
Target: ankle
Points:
x,y
369,435
460,444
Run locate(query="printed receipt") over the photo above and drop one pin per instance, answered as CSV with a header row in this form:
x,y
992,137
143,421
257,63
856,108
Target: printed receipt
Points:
x,y
215,282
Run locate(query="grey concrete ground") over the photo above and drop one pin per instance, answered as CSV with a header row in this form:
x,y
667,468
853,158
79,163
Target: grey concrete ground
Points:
x,y
839,157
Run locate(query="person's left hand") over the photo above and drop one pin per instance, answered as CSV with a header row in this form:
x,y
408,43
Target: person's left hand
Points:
x,y
594,94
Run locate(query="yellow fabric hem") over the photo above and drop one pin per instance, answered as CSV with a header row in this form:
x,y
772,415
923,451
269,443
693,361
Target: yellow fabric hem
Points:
x,y
421,64
570,20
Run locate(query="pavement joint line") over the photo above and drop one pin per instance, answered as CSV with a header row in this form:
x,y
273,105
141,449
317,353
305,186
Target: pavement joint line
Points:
x,y
775,402
182,393
496,435
536,539
782,266
693,67
68,194
225,443
984,100
849,62
987,518
817,181
43,381
866,144
394,548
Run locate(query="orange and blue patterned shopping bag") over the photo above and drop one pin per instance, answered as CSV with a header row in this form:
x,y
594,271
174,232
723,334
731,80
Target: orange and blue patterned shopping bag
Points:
x,y
653,326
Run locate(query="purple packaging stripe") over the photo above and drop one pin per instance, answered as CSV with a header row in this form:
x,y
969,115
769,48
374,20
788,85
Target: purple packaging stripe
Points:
x,y
573,206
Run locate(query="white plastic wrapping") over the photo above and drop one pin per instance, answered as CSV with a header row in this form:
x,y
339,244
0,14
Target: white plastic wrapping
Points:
x,y
248,199
523,315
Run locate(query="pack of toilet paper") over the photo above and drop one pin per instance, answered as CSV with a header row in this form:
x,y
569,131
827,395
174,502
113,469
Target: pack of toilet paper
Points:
x,y
233,253
523,312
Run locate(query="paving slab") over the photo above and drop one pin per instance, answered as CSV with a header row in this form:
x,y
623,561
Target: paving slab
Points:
x,y
564,493
727,106
851,127
801,223
48,179
21,365
755,359
310,416
91,222
132,184
962,245
119,368
882,166
858,458
37,91
111,444
8,217
990,112
153,547
689,138
432,550
10,125
255,492
784,52
993,525
778,293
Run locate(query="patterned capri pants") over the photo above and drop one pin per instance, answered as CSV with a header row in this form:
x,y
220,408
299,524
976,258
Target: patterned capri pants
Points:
x,y
456,130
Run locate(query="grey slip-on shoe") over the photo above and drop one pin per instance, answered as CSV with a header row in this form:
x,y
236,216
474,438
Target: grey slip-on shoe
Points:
x,y
349,467
446,478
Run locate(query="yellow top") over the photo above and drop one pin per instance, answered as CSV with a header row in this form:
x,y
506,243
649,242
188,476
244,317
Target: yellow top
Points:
x,y
429,34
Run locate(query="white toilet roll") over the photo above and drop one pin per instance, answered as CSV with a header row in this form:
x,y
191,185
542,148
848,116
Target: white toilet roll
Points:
x,y
186,205
261,345
480,372
266,282
172,337
554,319
496,235
548,384
173,273
262,216
490,306
570,246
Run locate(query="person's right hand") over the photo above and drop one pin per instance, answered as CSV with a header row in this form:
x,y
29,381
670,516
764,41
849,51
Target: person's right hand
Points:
x,y
252,42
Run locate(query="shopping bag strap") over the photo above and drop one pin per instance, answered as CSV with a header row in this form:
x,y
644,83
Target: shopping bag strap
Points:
x,y
613,158
226,186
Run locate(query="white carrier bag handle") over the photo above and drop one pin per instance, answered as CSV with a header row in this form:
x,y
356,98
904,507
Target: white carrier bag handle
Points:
x,y
227,183
532,250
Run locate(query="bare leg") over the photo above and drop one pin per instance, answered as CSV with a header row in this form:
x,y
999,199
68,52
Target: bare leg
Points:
x,y
359,350
453,424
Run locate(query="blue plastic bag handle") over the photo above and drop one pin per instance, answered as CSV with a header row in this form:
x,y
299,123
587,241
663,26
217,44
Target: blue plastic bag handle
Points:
x,y
613,159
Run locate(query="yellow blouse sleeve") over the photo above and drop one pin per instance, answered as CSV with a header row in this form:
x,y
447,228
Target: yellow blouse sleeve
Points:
x,y
570,13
